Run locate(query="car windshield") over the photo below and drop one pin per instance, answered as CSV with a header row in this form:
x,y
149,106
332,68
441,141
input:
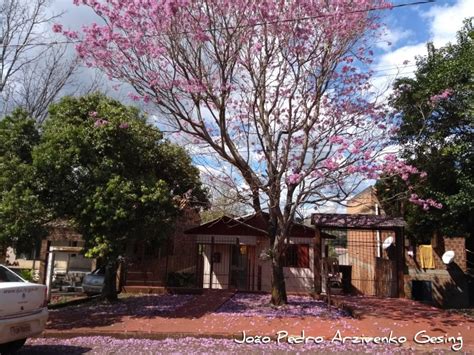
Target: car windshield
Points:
x,y
8,276
99,271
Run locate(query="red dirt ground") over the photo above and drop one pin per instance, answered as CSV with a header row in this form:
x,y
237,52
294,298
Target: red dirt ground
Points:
x,y
375,317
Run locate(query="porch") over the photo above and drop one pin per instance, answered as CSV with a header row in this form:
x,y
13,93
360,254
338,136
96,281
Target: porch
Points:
x,y
230,255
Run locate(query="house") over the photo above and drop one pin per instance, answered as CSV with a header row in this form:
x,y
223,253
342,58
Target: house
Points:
x,y
426,277
172,263
146,265
232,254
67,267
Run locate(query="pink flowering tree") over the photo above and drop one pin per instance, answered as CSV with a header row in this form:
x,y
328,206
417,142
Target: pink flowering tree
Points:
x,y
277,92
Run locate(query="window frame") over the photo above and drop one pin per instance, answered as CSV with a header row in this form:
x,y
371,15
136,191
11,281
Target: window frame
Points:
x,y
295,257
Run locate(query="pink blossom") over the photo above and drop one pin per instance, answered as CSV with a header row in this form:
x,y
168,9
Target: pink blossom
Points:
x,y
134,97
257,47
336,139
444,95
248,104
201,36
425,204
294,178
101,123
330,164
57,28
71,34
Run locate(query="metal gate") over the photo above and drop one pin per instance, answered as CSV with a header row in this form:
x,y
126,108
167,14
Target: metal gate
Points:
x,y
367,260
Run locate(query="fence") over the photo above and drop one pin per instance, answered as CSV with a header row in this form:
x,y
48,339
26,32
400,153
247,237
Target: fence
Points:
x,y
167,270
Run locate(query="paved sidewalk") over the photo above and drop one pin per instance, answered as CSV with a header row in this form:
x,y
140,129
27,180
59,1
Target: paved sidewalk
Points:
x,y
376,318
207,302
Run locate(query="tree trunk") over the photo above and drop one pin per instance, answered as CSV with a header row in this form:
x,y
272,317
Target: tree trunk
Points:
x,y
278,282
109,291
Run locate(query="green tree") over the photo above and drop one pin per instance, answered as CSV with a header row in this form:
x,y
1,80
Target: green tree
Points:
x,y
103,166
21,212
436,110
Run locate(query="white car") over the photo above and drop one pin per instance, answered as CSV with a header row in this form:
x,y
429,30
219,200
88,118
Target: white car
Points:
x,y
23,310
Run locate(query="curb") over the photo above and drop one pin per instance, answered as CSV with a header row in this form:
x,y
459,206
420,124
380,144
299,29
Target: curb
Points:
x,y
407,348
134,335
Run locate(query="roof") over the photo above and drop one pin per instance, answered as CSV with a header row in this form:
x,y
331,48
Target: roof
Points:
x,y
356,221
59,223
62,229
255,225
368,190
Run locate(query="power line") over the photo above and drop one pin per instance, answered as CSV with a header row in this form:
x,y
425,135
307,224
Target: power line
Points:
x,y
304,18
393,67
38,44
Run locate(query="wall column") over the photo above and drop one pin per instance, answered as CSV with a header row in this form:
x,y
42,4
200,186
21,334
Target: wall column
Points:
x,y
400,247
317,261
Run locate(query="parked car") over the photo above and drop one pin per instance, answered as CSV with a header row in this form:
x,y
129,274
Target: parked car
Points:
x,y
23,310
93,283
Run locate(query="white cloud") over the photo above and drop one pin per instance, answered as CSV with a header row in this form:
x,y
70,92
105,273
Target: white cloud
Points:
x,y
447,20
443,21
391,65
391,37
73,17
328,207
395,59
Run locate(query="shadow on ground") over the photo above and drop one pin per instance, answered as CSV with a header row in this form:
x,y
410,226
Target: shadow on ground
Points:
x,y
171,306
401,309
102,313
53,349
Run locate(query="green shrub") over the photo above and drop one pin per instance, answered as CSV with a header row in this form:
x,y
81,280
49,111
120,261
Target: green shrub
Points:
x,y
27,274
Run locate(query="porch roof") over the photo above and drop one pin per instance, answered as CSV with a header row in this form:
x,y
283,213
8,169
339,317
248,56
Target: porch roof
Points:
x,y
356,221
252,225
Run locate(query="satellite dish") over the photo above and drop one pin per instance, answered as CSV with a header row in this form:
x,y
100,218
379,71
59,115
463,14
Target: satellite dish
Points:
x,y
448,257
387,242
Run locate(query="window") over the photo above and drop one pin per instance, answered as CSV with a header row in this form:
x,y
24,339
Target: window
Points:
x,y
296,255
8,276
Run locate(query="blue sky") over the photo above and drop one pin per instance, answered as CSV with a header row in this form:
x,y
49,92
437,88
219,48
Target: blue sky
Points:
x,y
410,28
408,25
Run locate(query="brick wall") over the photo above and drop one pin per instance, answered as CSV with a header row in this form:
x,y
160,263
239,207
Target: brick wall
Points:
x,y
440,246
179,255
458,245
184,243
448,282
364,203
